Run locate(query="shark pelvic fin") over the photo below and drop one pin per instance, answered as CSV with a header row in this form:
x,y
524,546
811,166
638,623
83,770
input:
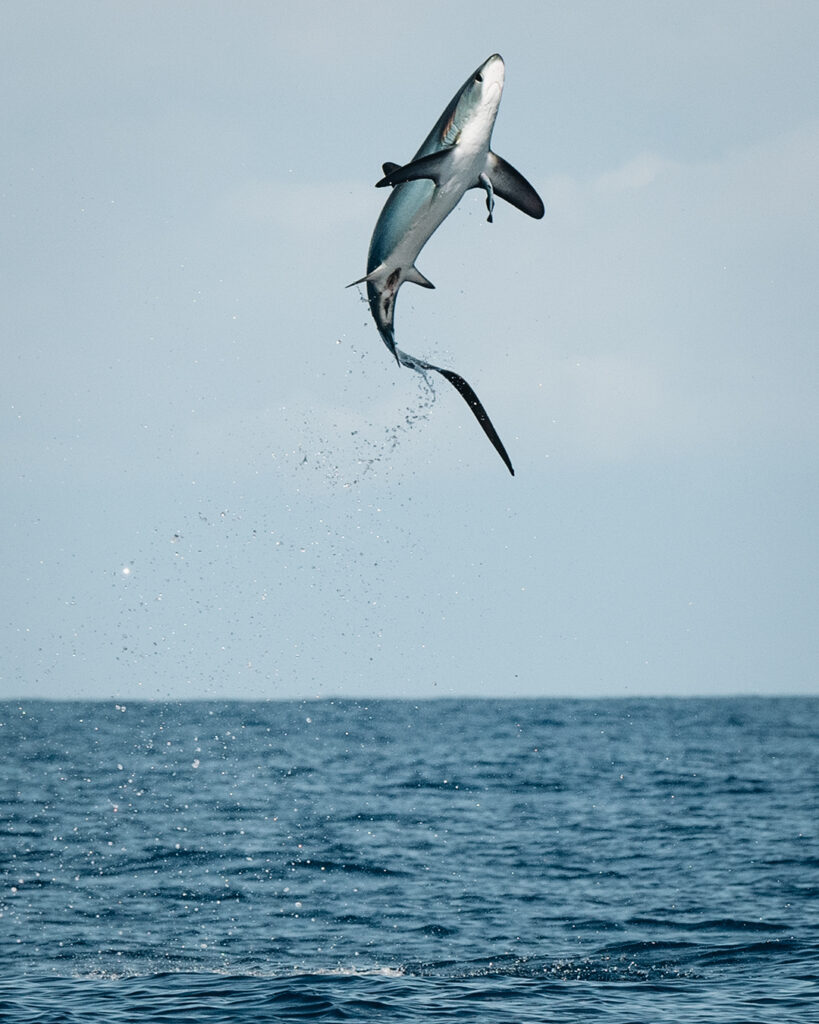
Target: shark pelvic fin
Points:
x,y
415,276
372,276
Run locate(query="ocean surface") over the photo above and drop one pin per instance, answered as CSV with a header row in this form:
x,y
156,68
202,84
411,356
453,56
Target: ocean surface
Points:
x,y
470,860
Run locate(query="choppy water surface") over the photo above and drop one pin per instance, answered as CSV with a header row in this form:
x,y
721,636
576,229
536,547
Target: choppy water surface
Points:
x,y
647,860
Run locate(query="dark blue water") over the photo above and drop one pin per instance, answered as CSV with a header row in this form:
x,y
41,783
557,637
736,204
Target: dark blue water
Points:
x,y
625,861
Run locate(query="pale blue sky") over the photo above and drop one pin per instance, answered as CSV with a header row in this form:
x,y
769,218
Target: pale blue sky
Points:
x,y
217,483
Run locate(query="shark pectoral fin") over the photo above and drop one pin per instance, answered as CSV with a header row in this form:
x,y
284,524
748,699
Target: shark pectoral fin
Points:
x,y
474,404
388,168
431,166
486,184
415,276
510,185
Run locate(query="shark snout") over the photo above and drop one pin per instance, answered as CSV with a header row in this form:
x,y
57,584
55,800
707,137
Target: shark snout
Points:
x,y
492,71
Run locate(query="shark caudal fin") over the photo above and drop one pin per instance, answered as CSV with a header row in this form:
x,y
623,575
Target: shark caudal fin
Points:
x,y
466,392
474,403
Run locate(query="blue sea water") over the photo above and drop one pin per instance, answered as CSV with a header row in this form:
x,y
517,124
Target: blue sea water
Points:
x,y
506,861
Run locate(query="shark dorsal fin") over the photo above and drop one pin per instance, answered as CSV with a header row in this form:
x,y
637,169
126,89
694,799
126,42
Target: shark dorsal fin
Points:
x,y
432,166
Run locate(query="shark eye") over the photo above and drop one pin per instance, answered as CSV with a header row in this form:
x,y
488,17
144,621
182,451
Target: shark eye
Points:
x,y
479,77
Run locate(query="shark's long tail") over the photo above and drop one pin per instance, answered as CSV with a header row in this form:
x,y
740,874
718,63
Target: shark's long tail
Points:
x,y
468,395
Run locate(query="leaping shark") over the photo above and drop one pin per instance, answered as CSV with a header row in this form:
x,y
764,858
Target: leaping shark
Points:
x,y
454,158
